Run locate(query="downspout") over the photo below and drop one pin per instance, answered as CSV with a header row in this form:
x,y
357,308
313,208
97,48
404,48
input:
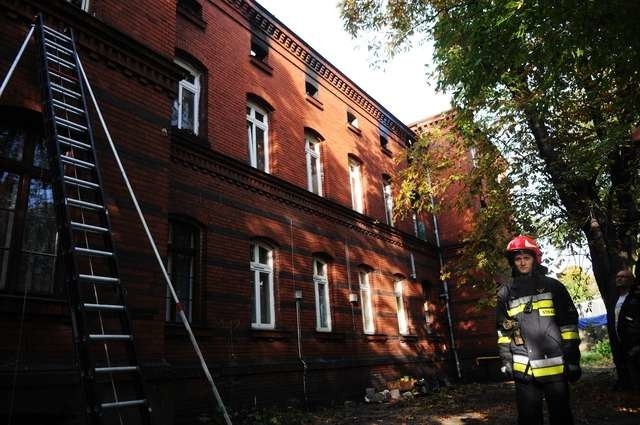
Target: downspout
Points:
x,y
445,292
298,296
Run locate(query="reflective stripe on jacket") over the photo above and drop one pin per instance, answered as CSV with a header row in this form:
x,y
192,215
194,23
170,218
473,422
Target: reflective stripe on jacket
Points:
x,y
537,325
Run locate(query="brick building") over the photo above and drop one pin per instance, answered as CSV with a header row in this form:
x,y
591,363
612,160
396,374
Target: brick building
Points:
x,y
262,170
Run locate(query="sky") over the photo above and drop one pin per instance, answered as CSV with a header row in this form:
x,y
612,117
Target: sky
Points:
x,y
401,86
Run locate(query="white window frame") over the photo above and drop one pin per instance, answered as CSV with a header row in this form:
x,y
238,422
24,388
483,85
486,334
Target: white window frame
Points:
x,y
84,4
252,124
195,89
355,182
403,324
257,268
387,194
312,152
321,287
366,301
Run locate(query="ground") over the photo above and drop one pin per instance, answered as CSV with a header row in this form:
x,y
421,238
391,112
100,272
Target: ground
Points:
x,y
467,404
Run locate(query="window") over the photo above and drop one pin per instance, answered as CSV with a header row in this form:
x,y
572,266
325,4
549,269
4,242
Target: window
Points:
x,y
366,300
352,120
29,241
387,194
314,166
426,293
257,133
259,50
321,286
418,227
262,305
384,142
82,4
185,110
355,181
191,7
403,327
311,88
183,263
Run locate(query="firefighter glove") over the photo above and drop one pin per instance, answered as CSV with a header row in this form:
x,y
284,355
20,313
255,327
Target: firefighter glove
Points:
x,y
507,371
573,372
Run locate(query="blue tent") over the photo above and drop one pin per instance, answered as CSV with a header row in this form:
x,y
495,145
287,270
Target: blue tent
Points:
x,y
588,322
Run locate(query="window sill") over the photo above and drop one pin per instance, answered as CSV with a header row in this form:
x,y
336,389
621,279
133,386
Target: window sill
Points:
x,y
386,151
315,102
191,16
188,137
269,334
262,65
408,338
356,130
375,338
42,305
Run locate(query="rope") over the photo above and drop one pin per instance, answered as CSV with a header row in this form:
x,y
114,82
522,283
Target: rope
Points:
x,y
185,322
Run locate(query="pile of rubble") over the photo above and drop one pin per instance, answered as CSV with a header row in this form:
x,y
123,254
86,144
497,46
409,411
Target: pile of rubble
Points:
x,y
404,388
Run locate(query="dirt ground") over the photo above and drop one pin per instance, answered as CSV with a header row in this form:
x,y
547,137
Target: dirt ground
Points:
x,y
469,404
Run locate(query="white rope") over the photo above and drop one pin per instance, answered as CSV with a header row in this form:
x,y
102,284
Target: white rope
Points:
x,y
16,60
185,322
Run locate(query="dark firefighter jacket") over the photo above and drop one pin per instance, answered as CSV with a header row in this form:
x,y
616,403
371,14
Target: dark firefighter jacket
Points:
x,y
537,328
629,322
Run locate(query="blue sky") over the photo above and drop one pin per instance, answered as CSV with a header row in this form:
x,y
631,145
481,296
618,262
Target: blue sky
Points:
x,y
401,86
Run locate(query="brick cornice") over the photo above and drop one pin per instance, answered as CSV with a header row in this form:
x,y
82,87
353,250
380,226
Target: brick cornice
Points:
x,y
261,19
242,175
99,41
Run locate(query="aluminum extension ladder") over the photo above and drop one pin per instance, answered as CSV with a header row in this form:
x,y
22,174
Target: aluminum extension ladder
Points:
x,y
110,374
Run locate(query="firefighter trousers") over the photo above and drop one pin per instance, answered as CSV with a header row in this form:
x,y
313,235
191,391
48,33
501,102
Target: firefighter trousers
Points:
x,y
529,396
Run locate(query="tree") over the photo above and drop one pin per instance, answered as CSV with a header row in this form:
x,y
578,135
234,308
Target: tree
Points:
x,y
554,86
578,283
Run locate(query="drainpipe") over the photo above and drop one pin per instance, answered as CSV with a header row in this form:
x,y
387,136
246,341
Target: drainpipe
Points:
x,y
298,296
445,293
304,364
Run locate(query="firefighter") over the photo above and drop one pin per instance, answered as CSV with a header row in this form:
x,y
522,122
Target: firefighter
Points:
x,y
538,338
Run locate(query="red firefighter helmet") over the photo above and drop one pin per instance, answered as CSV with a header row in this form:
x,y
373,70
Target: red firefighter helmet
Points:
x,y
524,243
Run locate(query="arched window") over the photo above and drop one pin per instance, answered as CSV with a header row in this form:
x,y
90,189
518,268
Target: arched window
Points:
x,y
262,296
355,183
321,288
366,300
314,163
258,136
398,292
28,236
186,108
387,194
183,264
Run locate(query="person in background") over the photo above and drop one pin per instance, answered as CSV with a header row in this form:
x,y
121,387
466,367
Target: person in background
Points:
x,y
624,279
538,339
627,315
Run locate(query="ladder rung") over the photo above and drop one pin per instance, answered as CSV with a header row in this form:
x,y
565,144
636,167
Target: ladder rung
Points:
x,y
109,337
84,204
98,279
116,369
65,91
65,106
93,252
58,47
70,124
78,162
83,183
88,227
119,404
72,142
103,307
63,77
56,59
56,34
